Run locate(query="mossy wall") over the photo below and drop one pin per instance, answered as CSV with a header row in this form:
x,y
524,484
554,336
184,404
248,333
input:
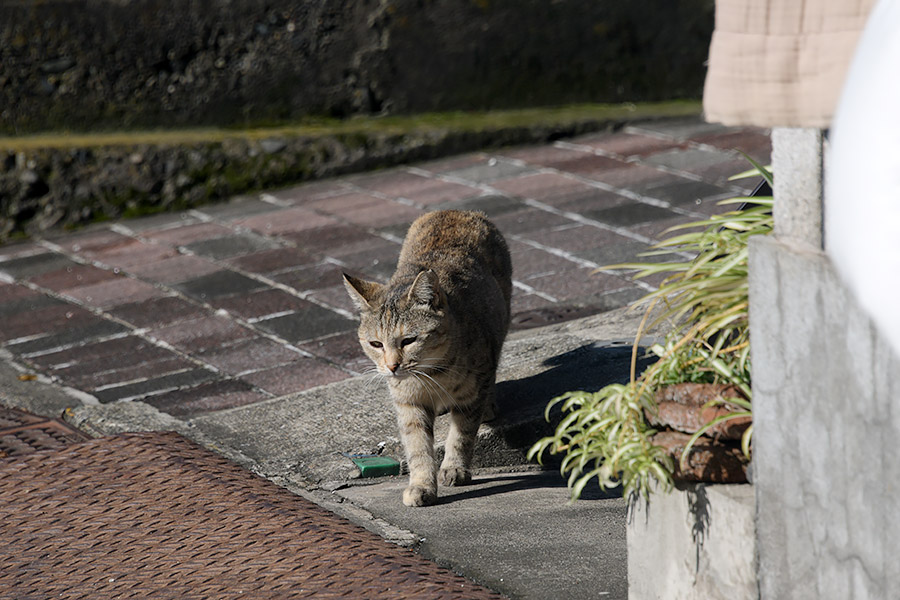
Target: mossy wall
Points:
x,y
112,64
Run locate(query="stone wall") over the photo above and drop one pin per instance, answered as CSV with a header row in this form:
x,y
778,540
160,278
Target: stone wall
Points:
x,y
825,393
80,64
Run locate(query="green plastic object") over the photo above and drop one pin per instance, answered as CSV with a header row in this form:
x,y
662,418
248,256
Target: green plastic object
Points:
x,y
377,466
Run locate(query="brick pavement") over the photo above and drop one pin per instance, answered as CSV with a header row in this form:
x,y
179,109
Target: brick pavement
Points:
x,y
235,303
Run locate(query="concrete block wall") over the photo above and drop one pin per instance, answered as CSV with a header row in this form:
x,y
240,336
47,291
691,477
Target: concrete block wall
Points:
x,y
696,543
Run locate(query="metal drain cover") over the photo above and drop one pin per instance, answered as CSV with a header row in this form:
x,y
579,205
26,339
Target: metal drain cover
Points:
x,y
23,433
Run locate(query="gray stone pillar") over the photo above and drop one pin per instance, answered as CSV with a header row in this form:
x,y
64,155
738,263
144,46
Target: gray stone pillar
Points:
x,y
798,166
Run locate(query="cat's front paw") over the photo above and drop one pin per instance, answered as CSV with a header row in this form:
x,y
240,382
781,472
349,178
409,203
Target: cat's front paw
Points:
x,y
418,496
454,476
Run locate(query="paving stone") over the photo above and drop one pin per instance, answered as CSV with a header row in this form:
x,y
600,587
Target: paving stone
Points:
x,y
175,269
307,192
15,299
576,238
96,379
157,312
18,249
43,320
307,324
531,262
35,264
680,191
300,375
490,170
322,239
231,246
542,186
577,283
523,301
453,163
342,349
252,355
72,276
543,155
207,397
757,143
619,253
337,296
188,234
443,191
122,290
272,261
105,355
628,144
155,386
260,304
594,199
382,214
658,230
492,205
628,214
133,252
286,220
527,220
344,204
90,241
628,177
200,334
160,222
238,208
589,164
678,128
94,328
218,284
316,277
686,159
397,183
377,263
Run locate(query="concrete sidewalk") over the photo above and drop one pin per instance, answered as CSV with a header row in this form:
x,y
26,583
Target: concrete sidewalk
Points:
x,y
230,325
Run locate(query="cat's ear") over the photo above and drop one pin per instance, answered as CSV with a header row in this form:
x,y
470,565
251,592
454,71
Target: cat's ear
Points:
x,y
361,292
426,290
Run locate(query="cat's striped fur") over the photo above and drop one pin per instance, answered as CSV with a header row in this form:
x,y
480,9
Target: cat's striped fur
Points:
x,y
435,332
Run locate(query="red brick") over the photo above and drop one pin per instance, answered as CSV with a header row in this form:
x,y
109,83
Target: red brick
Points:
x,y
270,261
260,304
174,269
157,312
285,221
542,186
180,236
203,333
341,349
297,376
72,277
628,144
208,397
43,320
122,290
132,253
253,355
92,241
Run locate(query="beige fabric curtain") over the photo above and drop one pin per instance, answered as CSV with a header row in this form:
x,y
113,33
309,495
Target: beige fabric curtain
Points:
x,y
780,63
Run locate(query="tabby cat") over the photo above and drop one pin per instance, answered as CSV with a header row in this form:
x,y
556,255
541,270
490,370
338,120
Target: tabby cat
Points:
x,y
435,332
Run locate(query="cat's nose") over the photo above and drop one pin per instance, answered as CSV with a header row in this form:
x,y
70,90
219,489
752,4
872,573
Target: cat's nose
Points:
x,y
393,367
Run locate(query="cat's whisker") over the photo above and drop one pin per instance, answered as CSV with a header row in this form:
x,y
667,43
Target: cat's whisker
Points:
x,y
450,399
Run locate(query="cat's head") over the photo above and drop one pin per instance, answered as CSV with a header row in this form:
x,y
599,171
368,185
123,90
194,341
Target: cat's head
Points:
x,y
403,327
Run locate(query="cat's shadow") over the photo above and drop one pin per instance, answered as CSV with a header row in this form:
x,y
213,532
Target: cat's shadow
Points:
x,y
521,403
494,485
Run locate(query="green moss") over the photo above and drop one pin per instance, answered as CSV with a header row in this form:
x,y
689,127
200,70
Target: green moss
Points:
x,y
360,128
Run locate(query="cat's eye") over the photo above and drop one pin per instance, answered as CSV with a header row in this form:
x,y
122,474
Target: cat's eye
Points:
x,y
376,344
407,341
